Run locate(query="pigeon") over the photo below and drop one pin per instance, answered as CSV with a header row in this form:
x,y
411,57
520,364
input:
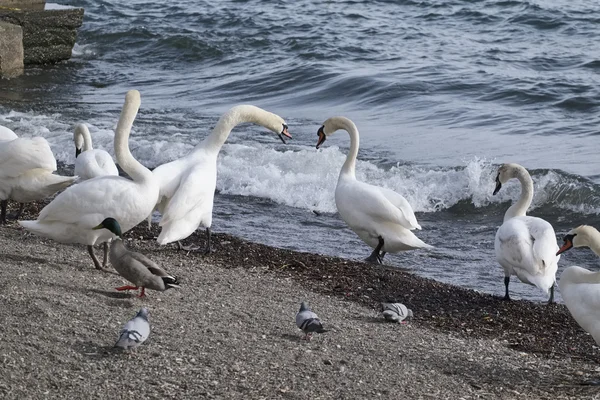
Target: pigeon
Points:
x,y
395,312
308,322
135,331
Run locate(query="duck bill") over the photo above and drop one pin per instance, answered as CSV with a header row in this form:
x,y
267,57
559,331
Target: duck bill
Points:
x,y
98,227
568,244
322,138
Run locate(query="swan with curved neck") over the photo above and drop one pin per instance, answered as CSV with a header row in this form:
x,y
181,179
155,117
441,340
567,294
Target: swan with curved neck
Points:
x,y
72,215
89,162
382,218
26,171
579,287
187,185
525,246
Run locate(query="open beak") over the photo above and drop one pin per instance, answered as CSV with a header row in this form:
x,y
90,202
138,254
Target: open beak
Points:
x,y
98,227
498,185
284,132
568,244
322,137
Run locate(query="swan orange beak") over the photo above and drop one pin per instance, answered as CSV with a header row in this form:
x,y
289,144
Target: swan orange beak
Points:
x,y
284,132
322,137
568,244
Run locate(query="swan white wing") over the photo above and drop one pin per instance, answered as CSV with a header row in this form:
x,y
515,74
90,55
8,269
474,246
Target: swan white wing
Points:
x,y
20,155
89,202
93,163
544,245
366,202
196,189
527,246
402,204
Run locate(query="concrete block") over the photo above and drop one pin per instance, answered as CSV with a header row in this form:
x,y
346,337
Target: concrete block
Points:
x,y
11,50
48,35
23,4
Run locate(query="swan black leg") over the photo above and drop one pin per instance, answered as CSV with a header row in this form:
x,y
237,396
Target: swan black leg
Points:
x,y
506,282
94,259
105,257
551,301
16,215
3,205
207,249
375,257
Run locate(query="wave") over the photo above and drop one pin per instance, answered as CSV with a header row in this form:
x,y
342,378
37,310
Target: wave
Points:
x,y
300,176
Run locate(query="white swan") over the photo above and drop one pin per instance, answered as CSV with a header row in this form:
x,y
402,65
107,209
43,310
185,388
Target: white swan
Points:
x,y
525,246
26,167
579,287
382,218
187,185
70,217
90,162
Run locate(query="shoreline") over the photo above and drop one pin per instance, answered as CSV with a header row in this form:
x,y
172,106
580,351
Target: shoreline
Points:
x,y
541,334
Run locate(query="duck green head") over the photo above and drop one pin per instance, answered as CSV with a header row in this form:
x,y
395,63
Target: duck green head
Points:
x,y
111,224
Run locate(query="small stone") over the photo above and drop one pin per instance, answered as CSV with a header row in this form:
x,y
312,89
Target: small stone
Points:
x,y
327,362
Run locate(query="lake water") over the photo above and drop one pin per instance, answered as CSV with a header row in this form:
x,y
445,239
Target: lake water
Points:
x,y
442,92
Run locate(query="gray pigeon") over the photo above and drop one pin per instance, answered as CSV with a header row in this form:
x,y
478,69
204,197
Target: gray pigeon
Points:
x,y
395,312
308,321
135,331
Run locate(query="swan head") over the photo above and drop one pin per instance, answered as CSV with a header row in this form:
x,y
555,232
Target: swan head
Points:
x,y
112,225
333,124
78,139
284,132
582,236
506,172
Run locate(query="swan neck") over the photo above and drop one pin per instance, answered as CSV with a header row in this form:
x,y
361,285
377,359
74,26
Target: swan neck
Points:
x,y
519,209
594,242
87,139
233,117
128,163
349,167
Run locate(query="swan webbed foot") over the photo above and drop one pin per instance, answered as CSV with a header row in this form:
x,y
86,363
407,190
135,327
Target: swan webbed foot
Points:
x,y
180,246
208,250
374,259
506,298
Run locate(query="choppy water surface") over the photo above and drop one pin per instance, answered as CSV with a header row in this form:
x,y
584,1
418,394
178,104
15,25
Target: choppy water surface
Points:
x,y
441,92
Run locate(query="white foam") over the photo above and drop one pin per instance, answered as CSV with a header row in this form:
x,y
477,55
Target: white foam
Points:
x,y
82,50
301,176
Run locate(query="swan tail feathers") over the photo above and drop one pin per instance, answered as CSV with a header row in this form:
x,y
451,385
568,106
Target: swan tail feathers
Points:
x,y
63,183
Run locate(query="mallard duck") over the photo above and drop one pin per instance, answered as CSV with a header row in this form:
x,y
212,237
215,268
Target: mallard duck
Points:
x,y
135,267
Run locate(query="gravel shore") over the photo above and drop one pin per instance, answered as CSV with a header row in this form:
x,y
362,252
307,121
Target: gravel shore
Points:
x,y
229,332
